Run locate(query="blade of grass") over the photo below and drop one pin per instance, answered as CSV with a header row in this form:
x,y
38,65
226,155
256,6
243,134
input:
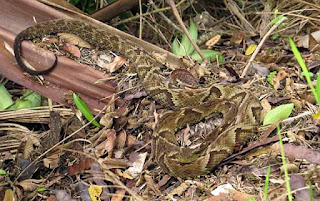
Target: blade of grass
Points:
x,y
310,190
318,84
81,105
284,163
266,184
304,68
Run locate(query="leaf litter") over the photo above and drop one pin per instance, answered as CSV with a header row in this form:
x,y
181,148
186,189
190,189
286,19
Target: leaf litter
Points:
x,y
117,158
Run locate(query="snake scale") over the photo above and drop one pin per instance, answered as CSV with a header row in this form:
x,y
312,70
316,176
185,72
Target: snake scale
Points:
x,y
239,108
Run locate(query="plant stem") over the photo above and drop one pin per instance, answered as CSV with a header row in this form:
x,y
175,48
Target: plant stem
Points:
x,y
283,157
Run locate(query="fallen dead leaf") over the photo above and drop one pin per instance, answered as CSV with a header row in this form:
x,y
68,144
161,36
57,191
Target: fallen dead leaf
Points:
x,y
111,163
237,38
74,39
72,49
179,190
112,66
299,152
95,192
292,168
212,41
137,165
52,161
152,186
107,145
62,195
119,195
81,165
31,184
297,182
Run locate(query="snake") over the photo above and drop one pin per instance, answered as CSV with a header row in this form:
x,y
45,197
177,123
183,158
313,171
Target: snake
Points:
x,y
238,108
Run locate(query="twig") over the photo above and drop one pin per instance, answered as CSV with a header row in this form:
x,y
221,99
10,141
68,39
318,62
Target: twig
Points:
x,y
260,46
184,28
146,14
140,10
155,7
59,143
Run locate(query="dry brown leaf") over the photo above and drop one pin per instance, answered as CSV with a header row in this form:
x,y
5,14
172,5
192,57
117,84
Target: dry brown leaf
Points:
x,y
131,140
62,195
52,161
136,95
31,184
9,196
266,107
164,180
299,152
107,119
202,70
117,62
74,39
111,163
51,198
292,168
282,74
121,139
72,49
106,145
226,192
214,40
119,195
81,165
30,141
124,174
137,165
237,38
179,190
111,137
152,185
297,182
240,196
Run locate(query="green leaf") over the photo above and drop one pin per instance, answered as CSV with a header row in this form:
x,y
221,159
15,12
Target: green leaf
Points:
x,y
270,77
310,74
22,104
318,85
33,97
304,69
41,189
275,36
185,47
275,20
81,105
3,172
211,55
175,47
280,112
5,98
185,42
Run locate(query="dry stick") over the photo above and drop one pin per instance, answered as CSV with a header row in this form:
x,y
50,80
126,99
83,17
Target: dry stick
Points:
x,y
140,29
260,45
146,14
59,143
185,30
155,7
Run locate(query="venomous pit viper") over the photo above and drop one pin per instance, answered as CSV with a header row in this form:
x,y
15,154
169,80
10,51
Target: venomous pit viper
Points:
x,y
240,108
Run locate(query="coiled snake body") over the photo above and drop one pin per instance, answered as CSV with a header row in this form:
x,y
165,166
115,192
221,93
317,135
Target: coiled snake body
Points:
x,y
240,108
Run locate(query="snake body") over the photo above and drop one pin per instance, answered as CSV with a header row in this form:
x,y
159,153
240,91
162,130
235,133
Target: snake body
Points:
x,y
240,108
